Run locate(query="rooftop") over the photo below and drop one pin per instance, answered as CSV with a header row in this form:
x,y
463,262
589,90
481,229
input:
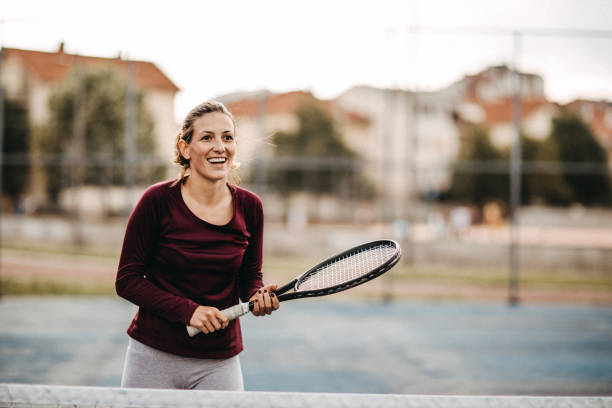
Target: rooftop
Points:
x,y
54,66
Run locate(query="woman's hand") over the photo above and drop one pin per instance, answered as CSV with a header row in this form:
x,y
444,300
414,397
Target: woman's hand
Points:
x,y
265,301
208,319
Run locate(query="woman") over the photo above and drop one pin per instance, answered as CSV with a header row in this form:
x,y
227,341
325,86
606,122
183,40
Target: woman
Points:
x,y
193,247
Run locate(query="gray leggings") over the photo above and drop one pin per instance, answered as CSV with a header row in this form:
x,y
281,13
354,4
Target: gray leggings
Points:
x,y
146,367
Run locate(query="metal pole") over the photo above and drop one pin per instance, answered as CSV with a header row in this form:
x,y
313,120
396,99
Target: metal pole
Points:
x,y
412,188
130,131
78,151
387,208
515,180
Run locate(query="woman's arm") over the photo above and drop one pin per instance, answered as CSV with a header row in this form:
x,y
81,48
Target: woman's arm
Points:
x,y
251,277
139,244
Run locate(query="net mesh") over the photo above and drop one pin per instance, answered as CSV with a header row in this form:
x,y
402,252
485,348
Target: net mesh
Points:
x,y
348,267
38,396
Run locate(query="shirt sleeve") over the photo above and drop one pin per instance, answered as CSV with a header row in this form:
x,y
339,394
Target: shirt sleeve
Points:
x,y
251,277
138,249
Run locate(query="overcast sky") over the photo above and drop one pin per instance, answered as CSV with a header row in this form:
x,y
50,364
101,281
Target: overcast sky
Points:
x,y
210,48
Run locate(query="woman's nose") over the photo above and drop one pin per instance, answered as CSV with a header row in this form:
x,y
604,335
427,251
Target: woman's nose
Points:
x,y
218,146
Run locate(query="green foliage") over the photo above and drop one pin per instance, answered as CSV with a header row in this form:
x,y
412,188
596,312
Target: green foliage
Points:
x,y
316,135
571,142
317,141
99,98
576,144
547,187
16,142
478,186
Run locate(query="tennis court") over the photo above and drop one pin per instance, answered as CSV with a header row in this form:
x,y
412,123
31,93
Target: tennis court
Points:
x,y
337,345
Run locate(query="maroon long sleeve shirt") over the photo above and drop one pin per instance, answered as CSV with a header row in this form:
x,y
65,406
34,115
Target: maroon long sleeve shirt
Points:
x,y
172,262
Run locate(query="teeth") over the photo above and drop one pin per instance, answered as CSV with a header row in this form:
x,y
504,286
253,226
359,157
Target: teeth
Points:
x,y
217,160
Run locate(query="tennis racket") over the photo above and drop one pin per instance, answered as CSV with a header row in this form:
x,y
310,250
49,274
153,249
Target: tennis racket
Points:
x,y
341,272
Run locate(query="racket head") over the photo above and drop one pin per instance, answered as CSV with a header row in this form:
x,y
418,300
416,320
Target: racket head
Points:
x,y
347,269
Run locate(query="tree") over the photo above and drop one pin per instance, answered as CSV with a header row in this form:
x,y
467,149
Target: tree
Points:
x,y
326,164
575,145
543,186
479,185
92,104
16,145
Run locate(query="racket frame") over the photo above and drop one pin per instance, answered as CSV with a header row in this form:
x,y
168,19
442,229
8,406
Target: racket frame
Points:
x,y
243,308
294,284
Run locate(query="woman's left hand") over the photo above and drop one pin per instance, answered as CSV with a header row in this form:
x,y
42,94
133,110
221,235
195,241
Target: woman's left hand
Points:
x,y
265,301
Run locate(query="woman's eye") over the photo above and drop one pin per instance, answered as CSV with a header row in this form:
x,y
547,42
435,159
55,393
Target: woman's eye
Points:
x,y
206,137
229,138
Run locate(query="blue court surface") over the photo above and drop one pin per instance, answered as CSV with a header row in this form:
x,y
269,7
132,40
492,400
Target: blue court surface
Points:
x,y
336,345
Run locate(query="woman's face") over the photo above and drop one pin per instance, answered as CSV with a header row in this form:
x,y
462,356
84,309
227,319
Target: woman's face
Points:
x,y
212,147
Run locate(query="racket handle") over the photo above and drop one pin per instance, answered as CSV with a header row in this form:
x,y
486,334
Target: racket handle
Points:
x,y
238,310
192,331
231,313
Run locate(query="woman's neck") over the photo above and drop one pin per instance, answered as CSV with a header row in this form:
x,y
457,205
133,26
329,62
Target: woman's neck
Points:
x,y
206,192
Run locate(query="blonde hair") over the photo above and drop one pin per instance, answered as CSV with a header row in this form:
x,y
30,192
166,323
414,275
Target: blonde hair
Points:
x,y
186,134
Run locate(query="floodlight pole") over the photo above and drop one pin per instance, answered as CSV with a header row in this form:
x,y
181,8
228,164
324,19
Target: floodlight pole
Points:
x,y
77,152
387,209
515,179
413,190
130,131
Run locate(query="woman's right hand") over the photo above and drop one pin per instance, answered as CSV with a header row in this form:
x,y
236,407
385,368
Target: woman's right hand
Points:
x,y
208,319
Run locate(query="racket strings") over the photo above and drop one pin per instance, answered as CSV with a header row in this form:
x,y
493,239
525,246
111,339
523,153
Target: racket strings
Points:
x,y
347,268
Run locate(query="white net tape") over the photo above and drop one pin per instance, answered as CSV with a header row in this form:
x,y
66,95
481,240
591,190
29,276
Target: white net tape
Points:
x,y
349,267
38,396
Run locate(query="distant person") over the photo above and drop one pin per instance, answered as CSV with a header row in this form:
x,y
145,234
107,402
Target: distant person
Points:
x,y
193,247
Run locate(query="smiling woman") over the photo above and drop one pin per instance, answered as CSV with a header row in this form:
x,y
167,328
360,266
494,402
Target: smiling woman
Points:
x,y
193,247
212,128
212,147
209,155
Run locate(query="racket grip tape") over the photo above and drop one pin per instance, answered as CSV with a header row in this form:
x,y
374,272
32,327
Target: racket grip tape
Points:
x,y
231,313
238,310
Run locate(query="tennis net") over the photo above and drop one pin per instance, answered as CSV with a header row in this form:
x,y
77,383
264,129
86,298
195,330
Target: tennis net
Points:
x,y
36,396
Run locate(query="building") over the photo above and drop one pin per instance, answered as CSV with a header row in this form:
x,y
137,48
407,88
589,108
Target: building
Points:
x,y
486,99
498,117
410,140
30,76
259,115
495,83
